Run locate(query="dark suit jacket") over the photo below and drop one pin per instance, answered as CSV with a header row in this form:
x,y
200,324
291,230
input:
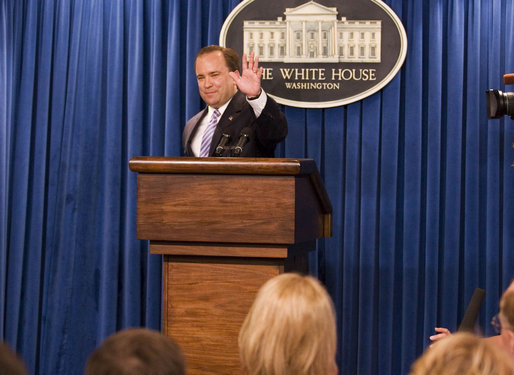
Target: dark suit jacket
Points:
x,y
267,130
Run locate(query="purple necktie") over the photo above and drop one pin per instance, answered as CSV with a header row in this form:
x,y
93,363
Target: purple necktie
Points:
x,y
207,134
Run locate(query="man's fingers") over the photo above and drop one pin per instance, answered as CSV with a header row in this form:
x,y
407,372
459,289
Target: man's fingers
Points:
x,y
251,62
244,62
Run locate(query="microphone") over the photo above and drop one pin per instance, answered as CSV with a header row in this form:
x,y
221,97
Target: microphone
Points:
x,y
243,139
221,147
470,316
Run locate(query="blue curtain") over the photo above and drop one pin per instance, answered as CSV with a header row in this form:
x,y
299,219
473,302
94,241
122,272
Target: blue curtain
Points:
x,y
421,182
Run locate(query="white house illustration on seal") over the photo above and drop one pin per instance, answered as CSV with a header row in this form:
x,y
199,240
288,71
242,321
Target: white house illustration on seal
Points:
x,y
311,32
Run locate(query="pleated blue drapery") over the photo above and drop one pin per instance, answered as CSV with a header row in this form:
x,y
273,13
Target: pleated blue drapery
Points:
x,y
421,182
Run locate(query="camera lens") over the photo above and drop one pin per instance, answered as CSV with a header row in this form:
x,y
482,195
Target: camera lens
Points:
x,y
499,103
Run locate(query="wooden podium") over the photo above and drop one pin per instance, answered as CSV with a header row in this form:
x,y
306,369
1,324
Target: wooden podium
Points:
x,y
225,226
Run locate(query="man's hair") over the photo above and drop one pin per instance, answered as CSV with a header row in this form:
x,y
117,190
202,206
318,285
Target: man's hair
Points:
x,y
507,310
10,362
290,329
137,351
231,56
463,353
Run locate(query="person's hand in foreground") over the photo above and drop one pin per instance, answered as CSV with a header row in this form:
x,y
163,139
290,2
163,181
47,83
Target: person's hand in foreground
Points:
x,y
442,333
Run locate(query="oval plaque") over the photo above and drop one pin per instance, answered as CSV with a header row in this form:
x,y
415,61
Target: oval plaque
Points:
x,y
319,54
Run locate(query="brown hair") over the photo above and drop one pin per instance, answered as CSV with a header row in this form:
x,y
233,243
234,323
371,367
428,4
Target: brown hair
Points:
x,y
507,310
231,56
137,351
10,362
463,353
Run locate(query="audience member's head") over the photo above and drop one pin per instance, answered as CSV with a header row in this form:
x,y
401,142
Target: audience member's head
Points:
x,y
463,353
506,318
10,363
290,329
136,351
510,287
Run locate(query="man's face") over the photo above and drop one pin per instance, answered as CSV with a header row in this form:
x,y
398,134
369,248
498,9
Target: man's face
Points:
x,y
214,83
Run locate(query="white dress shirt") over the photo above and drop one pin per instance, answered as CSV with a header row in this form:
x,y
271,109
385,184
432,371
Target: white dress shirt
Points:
x,y
257,105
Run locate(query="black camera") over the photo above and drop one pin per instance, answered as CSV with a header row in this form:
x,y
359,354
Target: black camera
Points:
x,y
500,103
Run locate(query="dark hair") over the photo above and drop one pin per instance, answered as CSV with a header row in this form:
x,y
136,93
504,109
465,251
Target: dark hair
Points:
x,y
10,363
231,56
137,351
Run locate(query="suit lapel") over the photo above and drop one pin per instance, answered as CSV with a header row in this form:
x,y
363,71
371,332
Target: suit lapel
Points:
x,y
229,116
194,128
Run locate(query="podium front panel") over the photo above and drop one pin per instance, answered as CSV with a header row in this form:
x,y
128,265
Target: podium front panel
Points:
x,y
216,208
205,304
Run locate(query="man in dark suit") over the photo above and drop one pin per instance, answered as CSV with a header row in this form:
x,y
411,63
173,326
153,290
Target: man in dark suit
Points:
x,y
238,111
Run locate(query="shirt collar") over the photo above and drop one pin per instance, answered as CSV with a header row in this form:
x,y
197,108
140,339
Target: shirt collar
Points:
x,y
221,109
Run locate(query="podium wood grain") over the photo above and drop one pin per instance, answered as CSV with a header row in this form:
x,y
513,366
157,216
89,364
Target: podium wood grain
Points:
x,y
224,227
217,208
205,305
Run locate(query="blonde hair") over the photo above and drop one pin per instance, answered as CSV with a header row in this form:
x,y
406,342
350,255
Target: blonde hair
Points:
x,y
463,353
507,310
290,329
